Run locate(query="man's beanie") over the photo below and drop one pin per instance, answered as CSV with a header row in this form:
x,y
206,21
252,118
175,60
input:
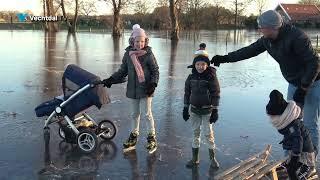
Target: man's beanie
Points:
x,y
277,104
270,19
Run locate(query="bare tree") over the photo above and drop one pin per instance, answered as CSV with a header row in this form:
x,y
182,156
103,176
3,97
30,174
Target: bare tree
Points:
x,y
161,17
162,3
87,7
261,4
45,24
239,7
174,19
193,9
217,12
117,6
72,24
49,10
141,7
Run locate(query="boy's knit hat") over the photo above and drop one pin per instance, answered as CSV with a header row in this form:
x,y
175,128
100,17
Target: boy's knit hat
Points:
x,y
282,113
277,104
270,19
137,31
201,58
200,55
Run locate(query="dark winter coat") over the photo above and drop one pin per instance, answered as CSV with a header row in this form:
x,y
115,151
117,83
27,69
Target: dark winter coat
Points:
x,y
135,89
299,62
296,138
202,91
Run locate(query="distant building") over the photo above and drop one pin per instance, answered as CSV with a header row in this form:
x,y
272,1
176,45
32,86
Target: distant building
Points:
x,y
301,14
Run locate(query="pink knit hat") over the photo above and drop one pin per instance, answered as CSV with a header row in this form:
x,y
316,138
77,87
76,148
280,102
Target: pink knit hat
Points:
x,y
137,31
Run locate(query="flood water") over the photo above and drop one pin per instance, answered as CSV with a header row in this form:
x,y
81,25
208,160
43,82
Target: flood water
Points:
x,y
32,65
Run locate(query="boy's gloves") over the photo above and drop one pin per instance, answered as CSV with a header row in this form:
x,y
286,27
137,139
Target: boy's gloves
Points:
x,y
218,59
299,95
214,116
150,88
185,113
108,82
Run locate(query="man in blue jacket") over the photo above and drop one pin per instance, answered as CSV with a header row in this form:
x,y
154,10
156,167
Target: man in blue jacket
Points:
x,y
298,61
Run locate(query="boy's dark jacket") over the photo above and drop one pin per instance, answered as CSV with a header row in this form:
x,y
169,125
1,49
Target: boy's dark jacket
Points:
x,y
202,90
296,138
135,89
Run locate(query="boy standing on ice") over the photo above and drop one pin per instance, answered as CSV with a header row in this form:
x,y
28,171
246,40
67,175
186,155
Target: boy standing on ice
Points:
x,y
202,94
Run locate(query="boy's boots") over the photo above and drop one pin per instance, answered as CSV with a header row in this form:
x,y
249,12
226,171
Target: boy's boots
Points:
x,y
151,143
195,158
214,162
131,141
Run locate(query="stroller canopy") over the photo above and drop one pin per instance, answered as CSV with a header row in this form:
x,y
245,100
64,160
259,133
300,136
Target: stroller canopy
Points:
x,y
75,78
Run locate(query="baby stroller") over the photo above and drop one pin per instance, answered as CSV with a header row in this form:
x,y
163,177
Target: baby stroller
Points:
x,y
81,90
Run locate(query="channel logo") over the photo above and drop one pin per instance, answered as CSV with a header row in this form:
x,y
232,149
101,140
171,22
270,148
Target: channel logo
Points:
x,y
23,17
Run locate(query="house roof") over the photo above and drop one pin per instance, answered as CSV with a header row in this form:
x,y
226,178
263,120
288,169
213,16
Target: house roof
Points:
x,y
300,11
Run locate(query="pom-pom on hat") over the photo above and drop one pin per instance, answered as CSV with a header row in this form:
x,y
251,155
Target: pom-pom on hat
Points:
x,y
200,55
201,51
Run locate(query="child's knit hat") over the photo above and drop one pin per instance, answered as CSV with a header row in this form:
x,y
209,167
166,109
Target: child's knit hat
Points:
x,y
277,104
282,113
137,31
200,55
201,58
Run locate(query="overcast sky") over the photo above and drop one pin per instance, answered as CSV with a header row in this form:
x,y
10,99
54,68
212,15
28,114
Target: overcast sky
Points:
x,y
35,5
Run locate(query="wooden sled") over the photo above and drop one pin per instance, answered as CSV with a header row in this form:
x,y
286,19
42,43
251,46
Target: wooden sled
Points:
x,y
256,167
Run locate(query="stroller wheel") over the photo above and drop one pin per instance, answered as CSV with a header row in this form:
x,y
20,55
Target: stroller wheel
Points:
x,y
107,130
87,140
61,133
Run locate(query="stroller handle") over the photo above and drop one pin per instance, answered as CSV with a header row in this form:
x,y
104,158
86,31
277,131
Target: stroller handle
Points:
x,y
84,88
95,83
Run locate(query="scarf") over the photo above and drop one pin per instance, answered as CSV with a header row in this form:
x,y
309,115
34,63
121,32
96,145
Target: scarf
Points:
x,y
137,66
291,113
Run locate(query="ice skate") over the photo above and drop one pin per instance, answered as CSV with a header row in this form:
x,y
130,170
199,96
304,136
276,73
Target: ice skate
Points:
x,y
151,143
131,142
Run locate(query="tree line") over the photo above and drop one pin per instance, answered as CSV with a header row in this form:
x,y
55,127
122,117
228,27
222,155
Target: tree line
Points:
x,y
172,15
